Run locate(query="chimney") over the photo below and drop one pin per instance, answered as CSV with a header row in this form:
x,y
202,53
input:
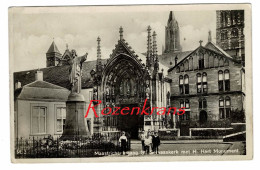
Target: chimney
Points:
x,y
39,75
209,37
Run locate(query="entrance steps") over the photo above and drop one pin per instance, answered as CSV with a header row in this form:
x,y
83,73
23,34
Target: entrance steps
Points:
x,y
184,138
239,136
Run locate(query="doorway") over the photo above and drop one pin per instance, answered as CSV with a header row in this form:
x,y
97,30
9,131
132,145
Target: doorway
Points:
x,y
203,117
130,123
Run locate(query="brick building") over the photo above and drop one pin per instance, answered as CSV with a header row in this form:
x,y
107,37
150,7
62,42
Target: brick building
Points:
x,y
208,83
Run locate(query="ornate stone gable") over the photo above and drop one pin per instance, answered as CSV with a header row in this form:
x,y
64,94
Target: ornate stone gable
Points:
x,y
124,48
202,58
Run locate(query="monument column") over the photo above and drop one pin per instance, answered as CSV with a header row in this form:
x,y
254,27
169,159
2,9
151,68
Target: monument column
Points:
x,y
75,126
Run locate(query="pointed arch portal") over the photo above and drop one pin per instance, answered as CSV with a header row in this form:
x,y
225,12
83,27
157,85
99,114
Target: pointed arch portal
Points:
x,y
123,84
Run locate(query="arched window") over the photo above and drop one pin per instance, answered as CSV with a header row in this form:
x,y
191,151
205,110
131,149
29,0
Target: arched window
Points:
x,y
202,103
186,84
227,81
181,103
187,109
204,82
199,83
226,63
186,65
226,19
201,61
187,104
224,107
216,61
178,69
211,61
221,108
128,86
182,67
233,14
121,88
190,63
181,84
223,19
234,32
221,62
227,101
220,81
224,35
227,107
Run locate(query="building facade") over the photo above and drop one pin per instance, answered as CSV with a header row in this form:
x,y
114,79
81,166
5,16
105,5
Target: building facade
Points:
x,y
208,83
127,80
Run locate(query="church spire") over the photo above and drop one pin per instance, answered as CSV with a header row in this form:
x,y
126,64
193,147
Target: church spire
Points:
x,y
172,35
53,55
154,47
149,48
171,17
53,48
155,56
121,33
99,64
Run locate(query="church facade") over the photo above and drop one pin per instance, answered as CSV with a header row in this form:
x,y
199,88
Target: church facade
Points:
x,y
207,81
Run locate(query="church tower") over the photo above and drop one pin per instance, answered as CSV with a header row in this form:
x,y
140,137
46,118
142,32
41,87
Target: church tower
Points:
x,y
53,55
172,35
230,33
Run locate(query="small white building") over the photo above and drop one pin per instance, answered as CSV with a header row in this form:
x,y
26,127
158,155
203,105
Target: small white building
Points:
x,y
40,109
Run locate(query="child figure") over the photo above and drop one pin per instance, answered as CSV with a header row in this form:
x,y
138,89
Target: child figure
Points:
x,y
147,143
156,143
123,143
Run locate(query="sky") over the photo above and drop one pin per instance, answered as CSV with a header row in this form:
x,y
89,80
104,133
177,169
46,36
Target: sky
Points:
x,y
33,32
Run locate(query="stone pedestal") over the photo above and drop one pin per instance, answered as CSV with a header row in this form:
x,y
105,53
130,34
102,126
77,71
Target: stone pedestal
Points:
x,y
75,126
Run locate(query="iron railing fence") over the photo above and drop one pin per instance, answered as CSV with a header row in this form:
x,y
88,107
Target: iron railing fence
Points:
x,y
53,147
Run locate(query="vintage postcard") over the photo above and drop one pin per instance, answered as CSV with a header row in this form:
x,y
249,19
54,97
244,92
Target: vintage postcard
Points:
x,y
131,83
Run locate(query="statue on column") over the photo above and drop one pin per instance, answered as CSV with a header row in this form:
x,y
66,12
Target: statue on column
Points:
x,y
76,126
76,71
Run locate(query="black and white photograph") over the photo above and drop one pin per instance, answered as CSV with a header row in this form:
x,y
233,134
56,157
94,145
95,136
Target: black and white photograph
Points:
x,y
130,83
